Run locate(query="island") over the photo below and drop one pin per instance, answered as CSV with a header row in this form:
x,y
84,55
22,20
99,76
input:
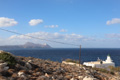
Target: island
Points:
x,y
27,45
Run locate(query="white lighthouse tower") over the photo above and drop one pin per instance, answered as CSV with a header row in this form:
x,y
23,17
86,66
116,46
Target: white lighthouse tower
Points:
x,y
108,60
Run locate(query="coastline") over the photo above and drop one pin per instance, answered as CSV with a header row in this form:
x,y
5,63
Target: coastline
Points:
x,y
30,68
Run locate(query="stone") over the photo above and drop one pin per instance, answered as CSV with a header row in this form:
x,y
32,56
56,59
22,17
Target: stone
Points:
x,y
47,75
11,71
80,77
42,78
28,65
3,67
1,61
14,75
30,61
117,73
68,76
22,73
89,78
72,79
3,78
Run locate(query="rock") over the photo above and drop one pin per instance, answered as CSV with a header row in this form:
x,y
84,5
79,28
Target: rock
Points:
x,y
28,65
14,75
89,78
37,70
3,67
21,78
20,67
60,77
30,61
72,79
1,61
22,73
1,51
80,77
84,68
68,76
117,73
88,72
3,78
47,75
36,74
11,71
42,78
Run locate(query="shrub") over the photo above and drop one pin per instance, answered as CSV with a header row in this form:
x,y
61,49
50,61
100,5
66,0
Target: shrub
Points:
x,y
114,69
7,57
70,60
103,70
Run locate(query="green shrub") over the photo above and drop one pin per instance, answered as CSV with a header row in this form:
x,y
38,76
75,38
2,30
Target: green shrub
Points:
x,y
103,70
70,60
7,57
114,69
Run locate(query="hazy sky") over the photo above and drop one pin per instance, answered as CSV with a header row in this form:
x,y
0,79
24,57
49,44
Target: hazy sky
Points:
x,y
91,23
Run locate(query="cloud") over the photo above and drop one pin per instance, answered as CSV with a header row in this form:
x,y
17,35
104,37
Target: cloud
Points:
x,y
113,21
72,38
52,26
113,35
35,22
43,37
6,22
63,30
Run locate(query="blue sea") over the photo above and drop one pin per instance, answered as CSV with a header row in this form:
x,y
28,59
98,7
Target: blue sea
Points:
x,y
59,54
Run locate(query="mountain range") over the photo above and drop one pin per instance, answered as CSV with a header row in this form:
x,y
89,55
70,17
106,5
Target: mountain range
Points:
x,y
27,45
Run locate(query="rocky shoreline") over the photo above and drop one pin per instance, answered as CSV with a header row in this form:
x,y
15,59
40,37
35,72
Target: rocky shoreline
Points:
x,y
29,68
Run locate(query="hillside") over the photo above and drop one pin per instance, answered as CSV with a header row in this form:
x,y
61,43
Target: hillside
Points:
x,y
29,68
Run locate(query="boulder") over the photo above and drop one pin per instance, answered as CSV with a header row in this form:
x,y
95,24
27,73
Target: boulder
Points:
x,y
3,67
28,65
89,78
22,73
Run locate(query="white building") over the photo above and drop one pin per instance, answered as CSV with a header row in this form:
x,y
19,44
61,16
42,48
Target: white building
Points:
x,y
101,64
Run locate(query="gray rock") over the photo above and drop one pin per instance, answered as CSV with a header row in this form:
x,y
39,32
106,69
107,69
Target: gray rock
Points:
x,y
89,78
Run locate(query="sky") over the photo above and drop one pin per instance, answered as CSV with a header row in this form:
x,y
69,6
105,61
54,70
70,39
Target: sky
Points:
x,y
90,23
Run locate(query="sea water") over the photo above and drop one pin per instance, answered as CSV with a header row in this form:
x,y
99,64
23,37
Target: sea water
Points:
x,y
59,54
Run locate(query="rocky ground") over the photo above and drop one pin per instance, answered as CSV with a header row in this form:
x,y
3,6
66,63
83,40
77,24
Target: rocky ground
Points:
x,y
29,68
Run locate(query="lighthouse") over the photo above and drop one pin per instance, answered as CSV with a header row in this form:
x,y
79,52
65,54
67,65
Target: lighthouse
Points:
x,y
100,63
108,60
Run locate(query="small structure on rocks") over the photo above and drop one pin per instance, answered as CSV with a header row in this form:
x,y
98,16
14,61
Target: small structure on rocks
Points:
x,y
101,64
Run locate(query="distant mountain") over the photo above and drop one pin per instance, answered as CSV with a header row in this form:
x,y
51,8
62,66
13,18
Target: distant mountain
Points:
x,y
33,45
28,45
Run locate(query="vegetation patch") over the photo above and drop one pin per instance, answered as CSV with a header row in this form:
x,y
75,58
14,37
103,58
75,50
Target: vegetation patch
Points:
x,y
114,69
73,61
7,57
104,70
